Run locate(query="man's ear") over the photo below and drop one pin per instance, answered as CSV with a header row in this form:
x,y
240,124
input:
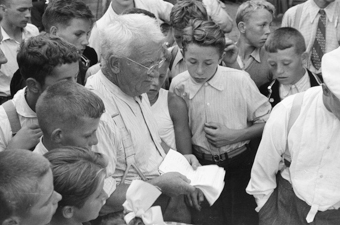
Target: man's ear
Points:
x,y
11,221
53,30
67,212
57,136
241,27
115,64
33,86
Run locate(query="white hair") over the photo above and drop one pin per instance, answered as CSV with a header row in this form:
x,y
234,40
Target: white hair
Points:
x,y
128,33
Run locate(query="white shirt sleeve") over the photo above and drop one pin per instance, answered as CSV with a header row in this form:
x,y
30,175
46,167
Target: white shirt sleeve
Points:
x,y
269,155
5,130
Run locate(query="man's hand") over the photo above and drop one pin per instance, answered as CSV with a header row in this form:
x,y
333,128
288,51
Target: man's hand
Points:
x,y
192,160
26,138
230,54
195,198
173,184
219,135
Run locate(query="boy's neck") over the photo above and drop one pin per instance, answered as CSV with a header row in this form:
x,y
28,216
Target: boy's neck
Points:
x,y
245,49
299,75
119,9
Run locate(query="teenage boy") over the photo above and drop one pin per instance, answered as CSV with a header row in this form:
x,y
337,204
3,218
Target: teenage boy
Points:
x,y
14,28
69,115
43,60
78,175
72,21
253,20
287,56
27,195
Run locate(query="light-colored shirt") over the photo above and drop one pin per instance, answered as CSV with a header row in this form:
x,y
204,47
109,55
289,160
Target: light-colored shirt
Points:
x,y
161,9
309,22
300,86
160,111
216,10
138,120
230,98
10,48
313,143
26,117
257,67
109,183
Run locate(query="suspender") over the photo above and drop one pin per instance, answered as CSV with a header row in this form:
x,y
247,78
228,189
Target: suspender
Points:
x,y
129,150
294,114
12,115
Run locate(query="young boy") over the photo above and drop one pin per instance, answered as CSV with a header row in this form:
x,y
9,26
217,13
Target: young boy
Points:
x,y
43,60
253,20
220,132
69,115
78,175
72,21
27,196
287,56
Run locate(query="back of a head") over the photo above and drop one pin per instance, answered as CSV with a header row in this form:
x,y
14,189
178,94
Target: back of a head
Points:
x,y
129,33
20,172
39,55
76,173
64,104
246,8
185,10
203,33
61,12
284,38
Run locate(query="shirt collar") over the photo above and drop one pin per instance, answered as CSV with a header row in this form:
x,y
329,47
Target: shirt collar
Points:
x,y
300,85
25,34
313,10
22,106
214,82
256,54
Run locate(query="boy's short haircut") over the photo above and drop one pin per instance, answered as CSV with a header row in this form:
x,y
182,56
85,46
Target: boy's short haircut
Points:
x,y
20,173
61,12
284,38
185,10
203,33
246,8
64,104
77,173
39,55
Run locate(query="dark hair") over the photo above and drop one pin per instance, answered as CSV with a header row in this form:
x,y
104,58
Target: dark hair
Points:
x,y
39,55
76,173
20,173
185,10
204,33
139,11
283,38
65,104
61,12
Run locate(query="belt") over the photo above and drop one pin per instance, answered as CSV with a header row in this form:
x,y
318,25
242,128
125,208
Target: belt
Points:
x,y
219,158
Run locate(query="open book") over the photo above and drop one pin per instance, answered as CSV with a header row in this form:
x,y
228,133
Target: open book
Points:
x,y
209,179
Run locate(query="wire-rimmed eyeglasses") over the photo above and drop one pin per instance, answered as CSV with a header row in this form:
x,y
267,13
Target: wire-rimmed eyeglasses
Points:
x,y
151,68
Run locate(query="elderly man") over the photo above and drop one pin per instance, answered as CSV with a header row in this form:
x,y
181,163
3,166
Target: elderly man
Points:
x,y
305,129
131,50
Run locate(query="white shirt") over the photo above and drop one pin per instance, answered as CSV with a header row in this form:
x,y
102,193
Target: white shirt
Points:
x,y
159,8
149,153
10,48
309,22
300,86
313,143
160,110
26,116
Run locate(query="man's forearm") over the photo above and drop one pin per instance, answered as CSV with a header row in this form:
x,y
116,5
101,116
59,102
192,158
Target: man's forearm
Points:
x,y
115,202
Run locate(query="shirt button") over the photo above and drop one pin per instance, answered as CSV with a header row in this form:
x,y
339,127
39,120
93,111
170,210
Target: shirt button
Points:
x,y
321,176
208,103
206,84
328,147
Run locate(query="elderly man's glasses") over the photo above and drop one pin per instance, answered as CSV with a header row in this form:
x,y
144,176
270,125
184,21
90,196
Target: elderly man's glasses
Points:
x,y
151,68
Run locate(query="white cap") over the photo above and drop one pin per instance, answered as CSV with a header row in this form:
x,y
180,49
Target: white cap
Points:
x,y
330,65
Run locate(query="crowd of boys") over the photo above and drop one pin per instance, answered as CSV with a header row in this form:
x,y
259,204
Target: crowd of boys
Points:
x,y
94,130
